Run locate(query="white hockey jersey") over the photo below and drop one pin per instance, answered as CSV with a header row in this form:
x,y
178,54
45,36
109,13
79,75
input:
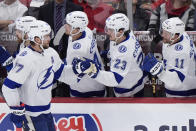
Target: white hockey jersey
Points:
x,y
85,46
179,63
30,80
125,72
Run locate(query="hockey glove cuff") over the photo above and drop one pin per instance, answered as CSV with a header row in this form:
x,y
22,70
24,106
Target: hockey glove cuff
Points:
x,y
17,115
151,65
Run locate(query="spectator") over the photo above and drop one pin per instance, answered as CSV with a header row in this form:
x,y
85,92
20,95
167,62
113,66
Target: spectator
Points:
x,y
33,9
140,17
152,6
54,13
10,10
26,2
97,12
173,8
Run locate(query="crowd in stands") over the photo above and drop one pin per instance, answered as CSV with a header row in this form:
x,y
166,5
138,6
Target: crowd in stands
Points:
x,y
148,15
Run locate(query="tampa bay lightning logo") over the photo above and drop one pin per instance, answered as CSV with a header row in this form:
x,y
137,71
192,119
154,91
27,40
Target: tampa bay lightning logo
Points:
x,y
178,47
45,78
122,49
77,46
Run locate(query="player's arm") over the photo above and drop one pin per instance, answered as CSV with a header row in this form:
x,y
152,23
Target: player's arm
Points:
x,y
16,77
67,75
90,67
109,78
168,76
63,72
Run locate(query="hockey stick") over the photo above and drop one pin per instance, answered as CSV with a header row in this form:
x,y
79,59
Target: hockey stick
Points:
x,y
29,124
154,43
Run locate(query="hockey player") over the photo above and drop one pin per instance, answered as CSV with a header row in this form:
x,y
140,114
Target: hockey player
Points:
x,y
177,70
30,81
21,27
126,58
82,44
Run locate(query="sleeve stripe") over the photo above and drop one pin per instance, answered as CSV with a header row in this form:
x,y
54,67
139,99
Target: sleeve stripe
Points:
x,y
180,75
11,84
57,74
76,93
191,92
123,90
118,77
37,108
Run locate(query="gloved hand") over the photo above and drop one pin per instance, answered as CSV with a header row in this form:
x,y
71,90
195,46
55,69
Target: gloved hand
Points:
x,y
6,59
86,66
4,55
151,65
17,115
104,53
75,64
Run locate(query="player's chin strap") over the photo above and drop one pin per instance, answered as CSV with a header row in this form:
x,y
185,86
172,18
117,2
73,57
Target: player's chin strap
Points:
x,y
117,38
173,41
41,46
72,31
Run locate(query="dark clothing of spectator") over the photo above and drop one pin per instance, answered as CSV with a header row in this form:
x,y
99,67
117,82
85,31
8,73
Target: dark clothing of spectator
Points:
x,y
46,13
140,19
32,11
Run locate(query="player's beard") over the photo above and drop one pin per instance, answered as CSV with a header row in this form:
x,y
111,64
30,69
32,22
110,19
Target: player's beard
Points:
x,y
46,46
19,41
166,41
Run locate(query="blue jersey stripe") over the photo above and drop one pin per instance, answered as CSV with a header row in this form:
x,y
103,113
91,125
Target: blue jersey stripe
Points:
x,y
11,84
118,77
191,92
37,108
180,75
57,74
123,90
88,94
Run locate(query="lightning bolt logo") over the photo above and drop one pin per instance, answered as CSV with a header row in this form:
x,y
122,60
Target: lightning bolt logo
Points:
x,y
45,79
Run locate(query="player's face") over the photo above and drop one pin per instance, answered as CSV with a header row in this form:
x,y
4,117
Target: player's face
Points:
x,y
19,36
69,31
46,41
110,33
166,36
